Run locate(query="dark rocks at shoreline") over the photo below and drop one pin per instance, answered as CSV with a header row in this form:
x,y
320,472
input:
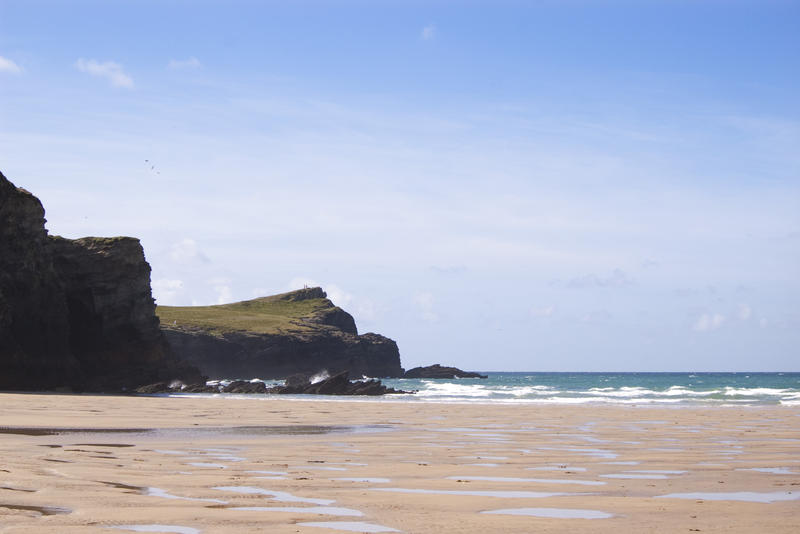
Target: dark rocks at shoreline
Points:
x,y
298,384
338,384
75,314
197,388
439,371
243,386
158,387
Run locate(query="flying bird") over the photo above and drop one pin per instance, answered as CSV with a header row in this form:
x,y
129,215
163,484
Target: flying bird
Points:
x,y
152,166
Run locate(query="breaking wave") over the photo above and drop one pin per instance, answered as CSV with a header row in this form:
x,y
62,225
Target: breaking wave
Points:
x,y
668,389
628,388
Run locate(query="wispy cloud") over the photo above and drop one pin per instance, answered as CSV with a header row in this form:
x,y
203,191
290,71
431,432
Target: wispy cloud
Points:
x,y
7,65
745,312
449,270
546,311
110,70
650,264
186,250
184,64
428,32
618,278
708,322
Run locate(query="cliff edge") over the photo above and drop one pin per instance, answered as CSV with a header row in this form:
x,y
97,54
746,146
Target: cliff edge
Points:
x,y
275,337
74,314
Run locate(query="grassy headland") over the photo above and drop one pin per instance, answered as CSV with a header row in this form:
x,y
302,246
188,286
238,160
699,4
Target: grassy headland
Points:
x,y
293,312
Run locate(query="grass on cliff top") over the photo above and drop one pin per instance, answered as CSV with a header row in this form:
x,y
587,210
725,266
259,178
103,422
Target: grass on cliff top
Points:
x,y
266,315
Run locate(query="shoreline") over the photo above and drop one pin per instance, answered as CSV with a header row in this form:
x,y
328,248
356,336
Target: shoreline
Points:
x,y
434,467
412,398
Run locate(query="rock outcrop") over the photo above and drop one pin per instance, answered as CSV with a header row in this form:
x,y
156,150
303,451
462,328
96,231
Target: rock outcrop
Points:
x,y
439,371
298,384
338,384
278,336
74,313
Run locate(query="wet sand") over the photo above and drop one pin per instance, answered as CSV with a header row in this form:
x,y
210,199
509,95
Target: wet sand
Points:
x,y
224,465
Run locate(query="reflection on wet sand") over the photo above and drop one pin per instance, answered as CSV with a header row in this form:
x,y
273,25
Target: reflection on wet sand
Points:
x,y
556,513
42,510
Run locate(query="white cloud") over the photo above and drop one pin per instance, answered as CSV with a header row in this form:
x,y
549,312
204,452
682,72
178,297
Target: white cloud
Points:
x,y
708,322
223,289
428,32
224,294
338,296
165,290
111,71
6,65
547,311
186,250
178,64
745,312
424,302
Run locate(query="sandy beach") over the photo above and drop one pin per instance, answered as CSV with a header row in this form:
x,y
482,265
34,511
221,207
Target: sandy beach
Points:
x,y
233,465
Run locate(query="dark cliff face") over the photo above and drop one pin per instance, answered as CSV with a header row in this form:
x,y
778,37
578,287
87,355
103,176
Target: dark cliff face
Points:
x,y
243,355
34,330
74,313
112,322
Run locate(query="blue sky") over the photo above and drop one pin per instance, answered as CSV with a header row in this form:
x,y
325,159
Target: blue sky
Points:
x,y
608,185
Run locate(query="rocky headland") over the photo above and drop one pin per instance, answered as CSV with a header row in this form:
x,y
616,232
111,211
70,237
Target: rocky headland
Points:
x,y
300,332
78,314
75,314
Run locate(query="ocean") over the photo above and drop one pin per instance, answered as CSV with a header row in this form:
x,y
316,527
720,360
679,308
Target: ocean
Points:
x,y
614,388
604,388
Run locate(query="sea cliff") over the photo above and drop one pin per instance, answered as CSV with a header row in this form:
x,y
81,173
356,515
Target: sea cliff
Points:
x,y
277,336
75,314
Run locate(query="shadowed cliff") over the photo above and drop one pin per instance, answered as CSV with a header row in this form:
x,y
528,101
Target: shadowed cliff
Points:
x,y
74,313
277,336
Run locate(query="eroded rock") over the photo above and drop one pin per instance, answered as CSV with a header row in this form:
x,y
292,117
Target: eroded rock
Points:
x,y
75,314
439,371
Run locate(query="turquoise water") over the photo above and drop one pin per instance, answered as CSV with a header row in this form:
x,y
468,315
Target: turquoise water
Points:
x,y
612,388
599,388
